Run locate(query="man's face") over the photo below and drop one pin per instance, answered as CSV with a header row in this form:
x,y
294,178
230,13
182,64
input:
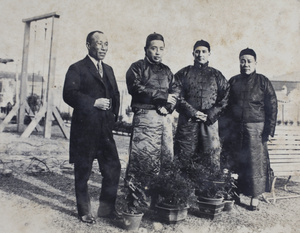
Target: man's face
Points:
x,y
201,54
155,51
247,64
98,46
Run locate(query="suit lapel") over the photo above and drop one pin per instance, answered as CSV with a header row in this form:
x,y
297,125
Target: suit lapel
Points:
x,y
109,75
93,70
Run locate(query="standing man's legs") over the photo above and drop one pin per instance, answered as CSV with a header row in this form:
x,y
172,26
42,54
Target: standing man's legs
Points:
x,y
110,167
82,170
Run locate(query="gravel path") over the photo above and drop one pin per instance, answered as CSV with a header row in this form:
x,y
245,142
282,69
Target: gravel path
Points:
x,y
37,195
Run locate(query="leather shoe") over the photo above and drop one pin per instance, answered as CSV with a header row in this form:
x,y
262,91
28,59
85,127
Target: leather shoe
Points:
x,y
253,207
112,215
237,200
87,219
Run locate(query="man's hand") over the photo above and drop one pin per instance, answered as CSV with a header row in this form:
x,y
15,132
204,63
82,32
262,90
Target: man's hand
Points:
x,y
163,111
200,116
172,99
270,140
267,138
102,103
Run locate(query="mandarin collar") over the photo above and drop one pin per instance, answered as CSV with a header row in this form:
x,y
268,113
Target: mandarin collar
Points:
x,y
248,76
150,62
200,66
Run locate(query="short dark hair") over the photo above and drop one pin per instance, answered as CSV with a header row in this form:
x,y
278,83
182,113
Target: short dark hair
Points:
x,y
89,36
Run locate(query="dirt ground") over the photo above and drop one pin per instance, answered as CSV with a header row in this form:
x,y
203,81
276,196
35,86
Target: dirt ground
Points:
x,y
37,195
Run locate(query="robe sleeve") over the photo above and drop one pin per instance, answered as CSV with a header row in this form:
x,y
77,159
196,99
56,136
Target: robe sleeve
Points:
x,y
218,108
270,109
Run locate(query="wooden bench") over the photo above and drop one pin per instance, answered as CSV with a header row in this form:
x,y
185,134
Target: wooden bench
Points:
x,y
284,152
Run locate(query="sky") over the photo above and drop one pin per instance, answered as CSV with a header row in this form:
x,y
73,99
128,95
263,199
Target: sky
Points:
x,y
271,28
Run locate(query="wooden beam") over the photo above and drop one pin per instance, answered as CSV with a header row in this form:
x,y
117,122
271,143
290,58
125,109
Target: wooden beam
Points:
x,y
8,118
50,83
34,122
61,123
45,16
24,77
27,108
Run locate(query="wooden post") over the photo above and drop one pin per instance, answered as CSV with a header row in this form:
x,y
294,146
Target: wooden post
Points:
x,y
17,103
50,83
24,78
17,85
282,114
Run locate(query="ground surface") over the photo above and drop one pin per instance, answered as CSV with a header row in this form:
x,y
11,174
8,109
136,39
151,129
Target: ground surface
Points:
x,y
37,195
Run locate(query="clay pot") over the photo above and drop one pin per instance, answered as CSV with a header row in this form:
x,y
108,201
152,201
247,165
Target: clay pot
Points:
x,y
228,205
132,222
210,207
170,213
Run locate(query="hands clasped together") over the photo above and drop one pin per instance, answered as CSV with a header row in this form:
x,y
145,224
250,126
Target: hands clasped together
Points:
x,y
200,116
172,99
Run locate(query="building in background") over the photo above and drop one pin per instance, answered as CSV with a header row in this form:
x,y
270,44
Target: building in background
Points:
x,y
9,87
288,94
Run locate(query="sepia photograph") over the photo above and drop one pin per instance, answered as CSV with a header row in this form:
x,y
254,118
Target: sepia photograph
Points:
x,y
150,116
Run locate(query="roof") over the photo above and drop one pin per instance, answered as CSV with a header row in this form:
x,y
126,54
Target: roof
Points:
x,y
290,77
12,75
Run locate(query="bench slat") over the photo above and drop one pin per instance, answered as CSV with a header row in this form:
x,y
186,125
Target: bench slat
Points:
x,y
282,152
286,166
284,156
285,174
274,149
285,143
284,161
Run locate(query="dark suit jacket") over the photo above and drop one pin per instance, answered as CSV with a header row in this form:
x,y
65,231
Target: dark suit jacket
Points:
x,y
91,127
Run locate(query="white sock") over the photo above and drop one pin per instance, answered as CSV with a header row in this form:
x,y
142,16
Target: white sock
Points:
x,y
254,201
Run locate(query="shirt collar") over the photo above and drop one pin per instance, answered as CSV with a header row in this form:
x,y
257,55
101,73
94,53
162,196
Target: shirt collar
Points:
x,y
94,61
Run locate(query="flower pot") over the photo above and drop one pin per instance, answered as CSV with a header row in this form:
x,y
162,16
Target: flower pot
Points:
x,y
228,205
132,222
210,200
170,213
210,210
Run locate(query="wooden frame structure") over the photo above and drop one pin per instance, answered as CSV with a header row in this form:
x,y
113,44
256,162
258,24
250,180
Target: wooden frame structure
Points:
x,y
48,109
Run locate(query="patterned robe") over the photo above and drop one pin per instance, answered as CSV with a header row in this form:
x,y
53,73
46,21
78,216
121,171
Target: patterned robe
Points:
x,y
203,89
152,139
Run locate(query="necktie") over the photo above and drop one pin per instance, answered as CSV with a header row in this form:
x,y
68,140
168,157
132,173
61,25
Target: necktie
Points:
x,y
100,71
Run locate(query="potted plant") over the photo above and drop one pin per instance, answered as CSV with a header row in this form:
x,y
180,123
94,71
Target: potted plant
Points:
x,y
173,192
210,184
230,190
136,198
209,189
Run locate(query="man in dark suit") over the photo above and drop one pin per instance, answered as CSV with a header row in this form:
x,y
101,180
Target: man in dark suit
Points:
x,y
91,90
